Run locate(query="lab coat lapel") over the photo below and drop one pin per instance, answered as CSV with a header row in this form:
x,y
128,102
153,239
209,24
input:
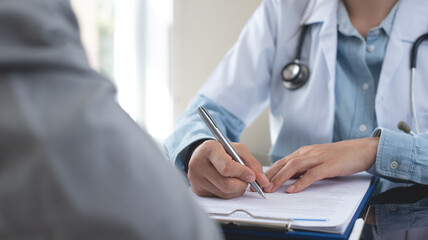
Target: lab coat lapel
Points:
x,y
412,19
394,51
325,33
393,95
410,22
324,12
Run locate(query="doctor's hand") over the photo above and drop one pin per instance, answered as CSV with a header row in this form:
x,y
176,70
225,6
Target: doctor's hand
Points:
x,y
313,163
212,172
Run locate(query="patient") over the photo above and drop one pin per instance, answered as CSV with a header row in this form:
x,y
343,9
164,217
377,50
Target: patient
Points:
x,y
73,165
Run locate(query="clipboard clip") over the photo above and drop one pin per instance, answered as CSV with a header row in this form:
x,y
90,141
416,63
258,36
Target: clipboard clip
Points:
x,y
274,221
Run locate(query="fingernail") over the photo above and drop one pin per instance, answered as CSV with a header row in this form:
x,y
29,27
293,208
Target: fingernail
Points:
x,y
291,188
251,178
269,187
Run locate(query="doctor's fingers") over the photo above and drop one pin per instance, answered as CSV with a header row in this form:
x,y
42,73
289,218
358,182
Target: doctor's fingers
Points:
x,y
224,163
225,187
278,165
228,167
314,152
207,181
311,176
206,188
292,167
251,162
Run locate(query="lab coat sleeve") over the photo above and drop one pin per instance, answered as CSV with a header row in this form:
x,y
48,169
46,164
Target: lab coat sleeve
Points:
x,y
241,82
401,157
191,130
73,164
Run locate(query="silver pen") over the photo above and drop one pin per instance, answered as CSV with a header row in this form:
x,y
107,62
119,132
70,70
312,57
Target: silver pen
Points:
x,y
212,125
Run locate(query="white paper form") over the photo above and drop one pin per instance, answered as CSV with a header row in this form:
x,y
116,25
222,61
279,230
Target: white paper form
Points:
x,y
327,205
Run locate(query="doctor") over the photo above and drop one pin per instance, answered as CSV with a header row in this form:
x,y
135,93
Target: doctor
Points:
x,y
341,120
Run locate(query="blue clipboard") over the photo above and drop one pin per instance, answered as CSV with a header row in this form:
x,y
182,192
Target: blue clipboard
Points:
x,y
262,233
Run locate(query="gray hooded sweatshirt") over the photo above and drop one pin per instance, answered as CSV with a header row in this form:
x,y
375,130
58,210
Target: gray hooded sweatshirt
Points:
x,y
73,164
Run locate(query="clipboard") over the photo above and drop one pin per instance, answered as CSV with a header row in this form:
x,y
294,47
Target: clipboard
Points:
x,y
285,230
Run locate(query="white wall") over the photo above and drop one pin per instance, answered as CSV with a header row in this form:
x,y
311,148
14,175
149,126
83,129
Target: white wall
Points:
x,y
203,31
86,13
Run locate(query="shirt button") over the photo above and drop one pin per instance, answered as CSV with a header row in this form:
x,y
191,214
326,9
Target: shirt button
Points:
x,y
370,48
366,86
393,165
376,32
393,208
362,127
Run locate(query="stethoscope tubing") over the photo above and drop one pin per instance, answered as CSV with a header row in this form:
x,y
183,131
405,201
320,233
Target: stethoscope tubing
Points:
x,y
414,51
412,98
413,61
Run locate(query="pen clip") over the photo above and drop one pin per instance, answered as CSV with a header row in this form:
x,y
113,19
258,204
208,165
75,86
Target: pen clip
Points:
x,y
203,112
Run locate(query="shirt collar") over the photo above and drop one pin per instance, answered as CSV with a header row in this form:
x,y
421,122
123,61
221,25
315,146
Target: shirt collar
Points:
x,y
387,23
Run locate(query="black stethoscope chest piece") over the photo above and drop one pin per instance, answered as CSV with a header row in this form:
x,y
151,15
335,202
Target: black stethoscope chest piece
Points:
x,y
295,74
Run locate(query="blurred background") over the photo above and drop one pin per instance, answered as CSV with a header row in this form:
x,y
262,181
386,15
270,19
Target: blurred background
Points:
x,y
158,53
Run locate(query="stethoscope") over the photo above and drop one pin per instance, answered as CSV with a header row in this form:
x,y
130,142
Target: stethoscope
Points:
x,y
413,57
295,74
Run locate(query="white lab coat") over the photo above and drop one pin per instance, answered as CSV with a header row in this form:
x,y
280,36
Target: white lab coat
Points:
x,y
248,78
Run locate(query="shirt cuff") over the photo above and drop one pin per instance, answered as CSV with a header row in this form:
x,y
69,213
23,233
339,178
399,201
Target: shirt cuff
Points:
x,y
394,155
183,157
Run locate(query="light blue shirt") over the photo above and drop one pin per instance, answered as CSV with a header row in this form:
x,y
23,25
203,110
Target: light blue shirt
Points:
x,y
358,68
359,62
